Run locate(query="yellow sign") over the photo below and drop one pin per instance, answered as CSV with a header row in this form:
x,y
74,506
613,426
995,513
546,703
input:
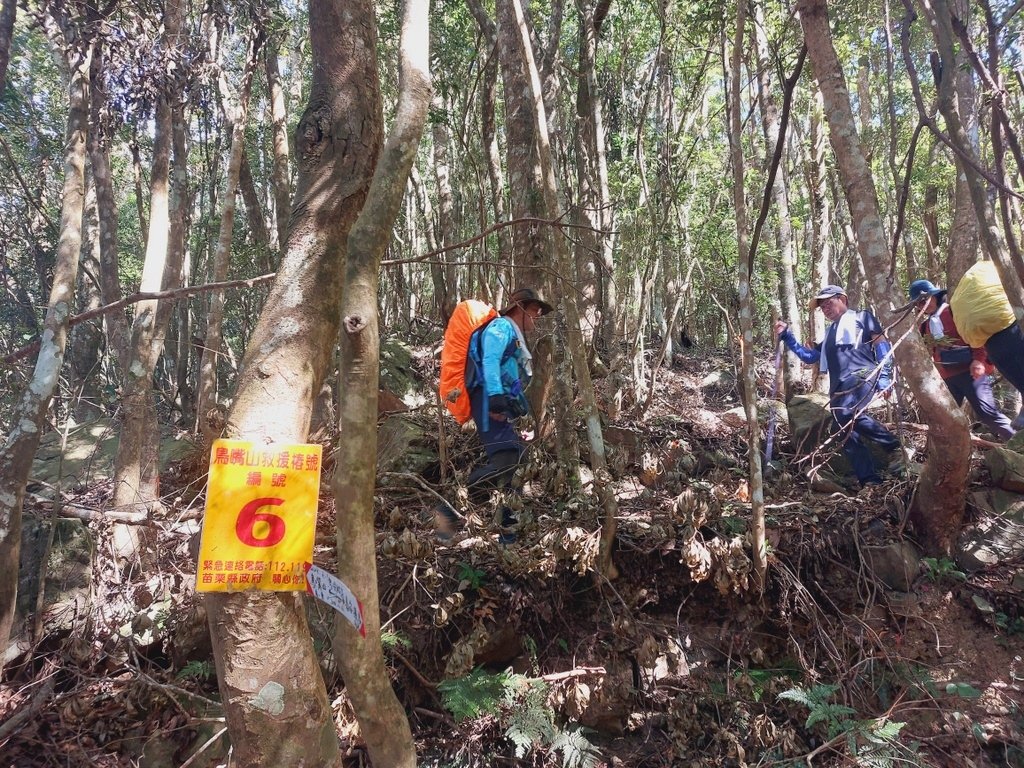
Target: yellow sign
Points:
x,y
260,518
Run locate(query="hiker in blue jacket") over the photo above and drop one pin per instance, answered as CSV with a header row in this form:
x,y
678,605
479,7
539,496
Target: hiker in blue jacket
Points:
x,y
498,370
850,354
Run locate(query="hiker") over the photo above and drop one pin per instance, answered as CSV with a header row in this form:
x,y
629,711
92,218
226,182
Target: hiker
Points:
x,y
965,369
498,370
986,319
850,353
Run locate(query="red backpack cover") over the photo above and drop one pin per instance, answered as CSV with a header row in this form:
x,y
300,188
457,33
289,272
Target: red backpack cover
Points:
x,y
468,316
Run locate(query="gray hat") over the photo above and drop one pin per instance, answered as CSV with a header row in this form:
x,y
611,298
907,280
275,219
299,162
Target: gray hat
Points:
x,y
521,297
827,293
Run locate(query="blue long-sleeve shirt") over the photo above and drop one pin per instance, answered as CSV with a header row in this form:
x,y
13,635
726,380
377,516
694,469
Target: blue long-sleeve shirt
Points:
x,y
496,355
851,362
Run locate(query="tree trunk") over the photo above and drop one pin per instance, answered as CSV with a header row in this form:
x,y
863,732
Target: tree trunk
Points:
x,y
519,48
279,120
206,402
254,214
938,507
993,243
748,369
788,303
963,233
286,360
7,15
533,249
136,465
84,344
117,329
382,719
448,296
593,246
29,415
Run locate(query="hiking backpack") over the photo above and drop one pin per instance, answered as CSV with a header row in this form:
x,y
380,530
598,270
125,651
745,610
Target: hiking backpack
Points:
x,y
469,315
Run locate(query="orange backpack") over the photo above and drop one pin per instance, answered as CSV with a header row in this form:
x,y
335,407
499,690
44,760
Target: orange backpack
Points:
x,y
468,316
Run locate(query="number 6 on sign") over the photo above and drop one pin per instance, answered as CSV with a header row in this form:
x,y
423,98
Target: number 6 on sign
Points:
x,y
249,518
260,521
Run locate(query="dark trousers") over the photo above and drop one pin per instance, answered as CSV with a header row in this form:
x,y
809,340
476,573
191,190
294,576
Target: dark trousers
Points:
x,y
1006,351
503,446
979,394
846,402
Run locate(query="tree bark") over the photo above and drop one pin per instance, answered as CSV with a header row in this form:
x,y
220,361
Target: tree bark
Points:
x,y
279,120
938,507
748,370
287,358
992,240
206,402
963,233
84,344
382,719
29,414
520,49
788,303
7,16
116,323
447,292
136,465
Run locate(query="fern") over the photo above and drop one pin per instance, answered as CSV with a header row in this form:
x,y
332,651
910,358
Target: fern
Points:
x,y
576,749
529,720
478,693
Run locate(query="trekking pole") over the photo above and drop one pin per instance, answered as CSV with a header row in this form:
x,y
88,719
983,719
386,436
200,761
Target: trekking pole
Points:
x,y
770,437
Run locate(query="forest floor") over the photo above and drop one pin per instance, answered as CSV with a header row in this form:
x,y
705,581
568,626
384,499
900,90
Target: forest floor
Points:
x,y
515,654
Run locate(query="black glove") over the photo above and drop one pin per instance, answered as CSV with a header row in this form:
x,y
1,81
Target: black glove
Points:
x,y
499,404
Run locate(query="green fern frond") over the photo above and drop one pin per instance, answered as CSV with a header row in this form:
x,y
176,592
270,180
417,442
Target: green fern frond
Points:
x,y
576,749
478,693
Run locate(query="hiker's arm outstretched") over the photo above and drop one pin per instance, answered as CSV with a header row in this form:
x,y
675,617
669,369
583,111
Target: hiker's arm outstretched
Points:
x,y
808,355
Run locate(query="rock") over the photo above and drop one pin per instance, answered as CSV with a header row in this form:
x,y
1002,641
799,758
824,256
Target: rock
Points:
x,y
718,381
826,481
1016,443
405,445
734,417
396,373
896,565
998,533
1007,469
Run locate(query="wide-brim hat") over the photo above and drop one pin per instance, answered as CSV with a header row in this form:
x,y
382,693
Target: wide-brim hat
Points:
x,y
827,293
521,297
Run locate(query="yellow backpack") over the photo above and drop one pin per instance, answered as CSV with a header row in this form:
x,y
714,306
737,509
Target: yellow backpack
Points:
x,y
979,304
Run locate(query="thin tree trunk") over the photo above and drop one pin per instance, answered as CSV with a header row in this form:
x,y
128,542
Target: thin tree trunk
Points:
x,y
993,242
963,233
938,507
117,329
748,370
382,719
84,345
520,49
449,288
254,214
788,305
206,396
287,358
7,16
29,415
279,120
136,465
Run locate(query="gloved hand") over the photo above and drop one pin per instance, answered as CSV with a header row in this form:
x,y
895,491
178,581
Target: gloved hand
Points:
x,y
499,404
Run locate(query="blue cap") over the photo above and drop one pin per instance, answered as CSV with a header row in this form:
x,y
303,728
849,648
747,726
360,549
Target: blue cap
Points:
x,y
920,288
